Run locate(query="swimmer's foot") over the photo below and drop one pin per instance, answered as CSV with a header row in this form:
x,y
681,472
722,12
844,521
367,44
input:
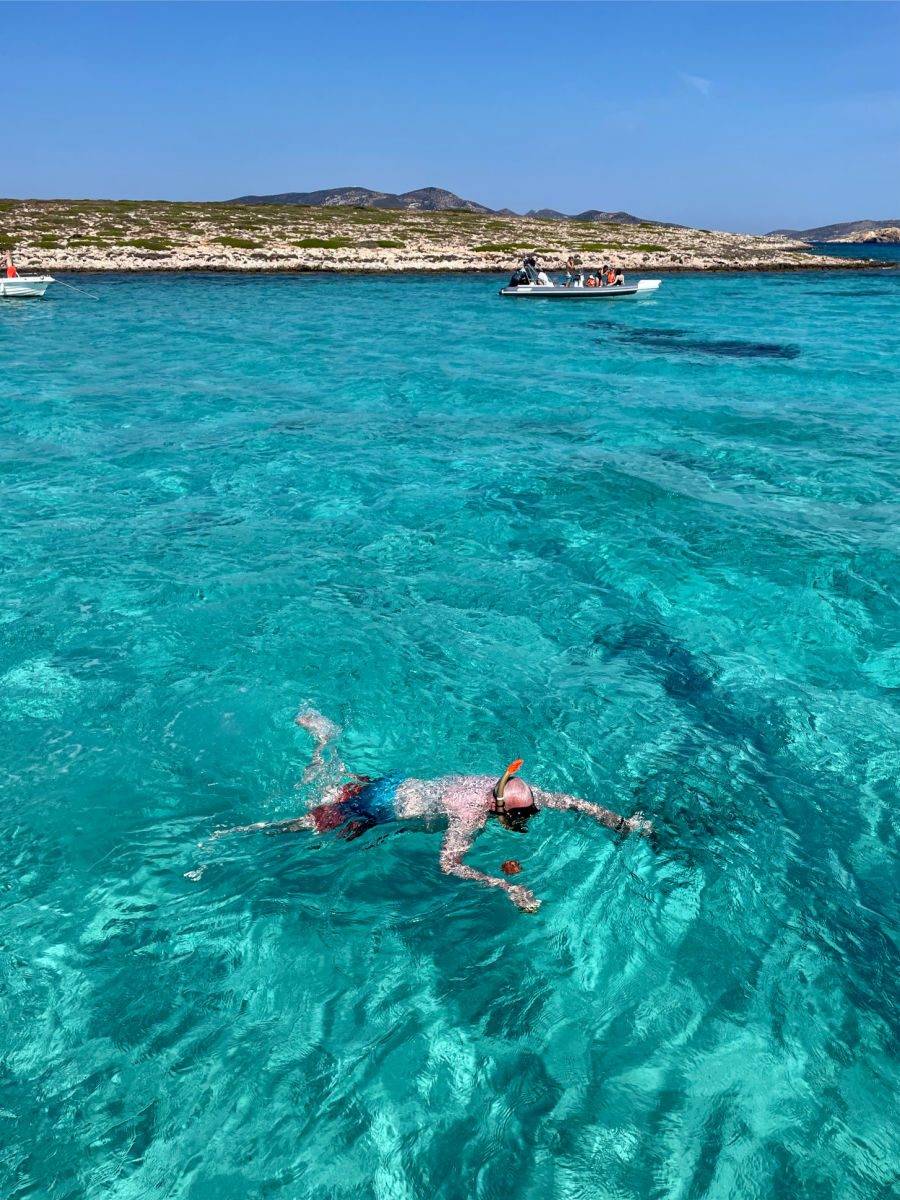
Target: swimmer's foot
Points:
x,y
323,730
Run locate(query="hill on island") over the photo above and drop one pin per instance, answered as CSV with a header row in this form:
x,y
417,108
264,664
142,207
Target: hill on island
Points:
x,y
430,199
842,231
155,235
596,214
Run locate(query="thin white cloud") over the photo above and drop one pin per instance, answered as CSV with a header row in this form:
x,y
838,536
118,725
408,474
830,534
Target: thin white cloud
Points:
x,y
697,82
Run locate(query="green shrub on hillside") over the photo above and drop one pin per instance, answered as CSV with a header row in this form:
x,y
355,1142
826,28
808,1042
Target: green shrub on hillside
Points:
x,y
644,248
150,243
315,243
237,243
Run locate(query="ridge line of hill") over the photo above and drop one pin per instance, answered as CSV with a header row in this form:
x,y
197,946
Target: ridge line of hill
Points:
x,y
431,199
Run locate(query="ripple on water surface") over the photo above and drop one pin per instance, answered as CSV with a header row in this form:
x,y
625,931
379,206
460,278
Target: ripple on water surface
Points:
x,y
652,550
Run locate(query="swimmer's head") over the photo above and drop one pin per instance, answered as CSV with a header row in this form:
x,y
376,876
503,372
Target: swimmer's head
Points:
x,y
513,800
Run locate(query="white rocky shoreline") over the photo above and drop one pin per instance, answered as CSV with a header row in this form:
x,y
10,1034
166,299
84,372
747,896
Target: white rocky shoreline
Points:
x,y
213,260
216,268
142,236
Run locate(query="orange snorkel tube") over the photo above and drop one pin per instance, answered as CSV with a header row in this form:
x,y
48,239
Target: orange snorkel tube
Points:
x,y
503,781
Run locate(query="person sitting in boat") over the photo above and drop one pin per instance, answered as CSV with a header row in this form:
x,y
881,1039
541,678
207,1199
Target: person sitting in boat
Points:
x,y
610,276
591,281
527,273
11,272
462,805
535,274
619,280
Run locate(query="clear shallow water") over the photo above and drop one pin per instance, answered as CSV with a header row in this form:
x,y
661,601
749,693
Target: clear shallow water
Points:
x,y
652,548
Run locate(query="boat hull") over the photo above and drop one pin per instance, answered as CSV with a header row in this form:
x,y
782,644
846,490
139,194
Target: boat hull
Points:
x,y
24,286
628,291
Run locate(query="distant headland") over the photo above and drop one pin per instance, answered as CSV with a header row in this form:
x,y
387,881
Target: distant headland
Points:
x,y
356,229
847,231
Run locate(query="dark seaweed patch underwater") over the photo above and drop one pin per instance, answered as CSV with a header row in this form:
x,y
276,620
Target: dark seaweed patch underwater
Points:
x,y
683,341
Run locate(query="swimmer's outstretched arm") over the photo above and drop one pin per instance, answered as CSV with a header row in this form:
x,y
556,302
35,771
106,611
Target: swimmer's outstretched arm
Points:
x,y
456,844
610,819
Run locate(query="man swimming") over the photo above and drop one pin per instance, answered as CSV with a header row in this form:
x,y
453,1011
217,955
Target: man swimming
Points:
x,y
461,804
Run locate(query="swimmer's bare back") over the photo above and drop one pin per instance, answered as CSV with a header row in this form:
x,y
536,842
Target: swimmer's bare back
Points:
x,y
461,804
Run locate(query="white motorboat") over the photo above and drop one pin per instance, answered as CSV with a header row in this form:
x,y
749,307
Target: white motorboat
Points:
x,y
24,285
548,291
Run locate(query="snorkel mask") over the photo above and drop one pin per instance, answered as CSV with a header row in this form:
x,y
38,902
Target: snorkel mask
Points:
x,y
516,818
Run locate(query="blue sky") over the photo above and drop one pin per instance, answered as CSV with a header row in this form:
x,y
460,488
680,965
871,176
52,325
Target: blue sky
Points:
x,y
728,115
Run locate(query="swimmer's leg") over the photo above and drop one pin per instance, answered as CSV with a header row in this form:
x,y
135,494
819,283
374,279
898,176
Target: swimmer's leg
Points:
x,y
293,825
325,733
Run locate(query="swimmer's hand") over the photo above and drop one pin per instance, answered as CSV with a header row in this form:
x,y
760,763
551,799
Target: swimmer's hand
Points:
x,y
524,900
637,824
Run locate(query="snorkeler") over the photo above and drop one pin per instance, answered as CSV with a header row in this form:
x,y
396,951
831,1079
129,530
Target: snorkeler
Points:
x,y
462,804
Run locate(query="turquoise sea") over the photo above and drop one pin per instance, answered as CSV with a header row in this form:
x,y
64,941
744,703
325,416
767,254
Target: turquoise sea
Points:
x,y
886,252
651,548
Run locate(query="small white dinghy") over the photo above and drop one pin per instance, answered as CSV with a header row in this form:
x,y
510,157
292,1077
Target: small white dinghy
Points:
x,y
24,285
619,291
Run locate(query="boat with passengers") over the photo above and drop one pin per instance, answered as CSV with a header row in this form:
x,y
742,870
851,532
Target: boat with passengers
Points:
x,y
527,281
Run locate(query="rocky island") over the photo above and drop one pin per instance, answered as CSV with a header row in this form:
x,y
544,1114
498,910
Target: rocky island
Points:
x,y
259,235
856,232
881,236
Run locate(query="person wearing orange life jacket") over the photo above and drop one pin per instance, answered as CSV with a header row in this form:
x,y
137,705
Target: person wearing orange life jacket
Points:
x,y
11,272
610,277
